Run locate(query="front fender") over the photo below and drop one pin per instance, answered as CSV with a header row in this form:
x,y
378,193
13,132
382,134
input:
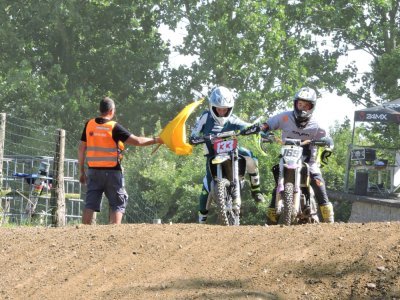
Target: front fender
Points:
x,y
220,158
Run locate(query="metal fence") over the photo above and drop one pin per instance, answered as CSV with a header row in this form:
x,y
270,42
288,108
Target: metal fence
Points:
x,y
28,176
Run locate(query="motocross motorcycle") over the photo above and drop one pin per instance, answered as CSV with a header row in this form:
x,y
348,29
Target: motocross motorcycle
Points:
x,y
228,169
295,201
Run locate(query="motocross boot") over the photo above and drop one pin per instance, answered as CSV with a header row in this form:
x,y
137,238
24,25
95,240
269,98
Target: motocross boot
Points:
x,y
327,212
236,204
203,218
255,188
272,218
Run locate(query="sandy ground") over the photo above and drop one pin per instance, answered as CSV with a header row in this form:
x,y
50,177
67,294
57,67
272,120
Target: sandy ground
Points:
x,y
191,261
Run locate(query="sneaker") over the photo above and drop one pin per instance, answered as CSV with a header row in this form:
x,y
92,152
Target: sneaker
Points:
x,y
202,218
258,197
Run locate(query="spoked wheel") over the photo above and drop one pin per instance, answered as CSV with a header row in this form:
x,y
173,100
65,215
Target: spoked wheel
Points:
x,y
288,214
314,210
226,214
309,208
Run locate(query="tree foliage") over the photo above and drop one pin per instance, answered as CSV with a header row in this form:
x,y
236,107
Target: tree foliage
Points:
x,y
370,26
258,48
386,78
58,58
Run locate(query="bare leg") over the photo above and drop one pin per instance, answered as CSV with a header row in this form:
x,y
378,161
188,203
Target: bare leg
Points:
x,y
116,217
87,216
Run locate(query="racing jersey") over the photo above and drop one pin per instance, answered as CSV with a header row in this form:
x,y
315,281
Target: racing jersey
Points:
x,y
206,125
286,122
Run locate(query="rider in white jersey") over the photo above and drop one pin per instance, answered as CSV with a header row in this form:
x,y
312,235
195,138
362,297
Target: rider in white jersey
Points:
x,y
219,118
301,124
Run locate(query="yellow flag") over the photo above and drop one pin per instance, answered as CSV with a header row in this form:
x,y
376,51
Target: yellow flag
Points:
x,y
174,134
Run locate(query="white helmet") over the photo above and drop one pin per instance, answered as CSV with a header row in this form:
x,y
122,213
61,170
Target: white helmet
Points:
x,y
309,95
223,98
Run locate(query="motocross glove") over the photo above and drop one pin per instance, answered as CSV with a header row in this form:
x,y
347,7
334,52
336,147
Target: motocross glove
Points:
x,y
252,129
195,140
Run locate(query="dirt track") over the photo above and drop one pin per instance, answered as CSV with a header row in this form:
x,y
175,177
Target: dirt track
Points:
x,y
190,261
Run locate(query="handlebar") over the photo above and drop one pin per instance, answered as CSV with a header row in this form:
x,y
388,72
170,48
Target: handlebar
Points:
x,y
270,138
223,135
321,143
212,137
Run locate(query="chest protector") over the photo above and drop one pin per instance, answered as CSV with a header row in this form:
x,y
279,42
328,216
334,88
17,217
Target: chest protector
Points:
x,y
102,151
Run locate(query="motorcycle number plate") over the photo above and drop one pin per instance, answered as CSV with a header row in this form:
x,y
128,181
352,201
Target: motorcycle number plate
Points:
x,y
295,152
222,146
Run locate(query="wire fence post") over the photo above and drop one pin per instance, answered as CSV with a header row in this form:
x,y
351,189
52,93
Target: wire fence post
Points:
x,y
57,192
2,139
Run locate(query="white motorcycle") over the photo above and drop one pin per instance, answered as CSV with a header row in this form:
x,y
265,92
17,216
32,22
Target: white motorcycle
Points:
x,y
228,169
295,201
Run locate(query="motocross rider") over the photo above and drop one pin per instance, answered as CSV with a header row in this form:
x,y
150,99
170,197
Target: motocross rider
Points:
x,y
301,124
219,118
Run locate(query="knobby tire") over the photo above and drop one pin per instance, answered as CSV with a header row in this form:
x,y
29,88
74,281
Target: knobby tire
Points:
x,y
288,214
224,203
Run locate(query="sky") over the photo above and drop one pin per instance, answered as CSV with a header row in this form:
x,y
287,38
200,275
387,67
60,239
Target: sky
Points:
x,y
330,107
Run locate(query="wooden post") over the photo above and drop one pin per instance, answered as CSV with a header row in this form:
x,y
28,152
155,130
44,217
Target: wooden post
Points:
x,y
57,191
2,140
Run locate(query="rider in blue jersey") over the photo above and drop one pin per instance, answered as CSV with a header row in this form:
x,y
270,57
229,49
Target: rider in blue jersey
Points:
x,y
301,124
219,118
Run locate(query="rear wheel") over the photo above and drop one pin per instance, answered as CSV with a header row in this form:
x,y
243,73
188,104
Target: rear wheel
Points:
x,y
226,214
314,209
309,207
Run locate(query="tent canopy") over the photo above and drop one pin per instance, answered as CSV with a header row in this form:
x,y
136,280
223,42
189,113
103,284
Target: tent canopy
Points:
x,y
388,112
395,105
380,113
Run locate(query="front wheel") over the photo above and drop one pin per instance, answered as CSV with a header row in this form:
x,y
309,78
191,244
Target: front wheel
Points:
x,y
288,214
226,214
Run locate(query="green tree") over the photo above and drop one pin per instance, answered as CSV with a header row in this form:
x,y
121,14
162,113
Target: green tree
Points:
x,y
58,58
387,75
334,171
258,48
370,26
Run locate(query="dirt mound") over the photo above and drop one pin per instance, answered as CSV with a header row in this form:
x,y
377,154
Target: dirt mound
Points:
x,y
190,261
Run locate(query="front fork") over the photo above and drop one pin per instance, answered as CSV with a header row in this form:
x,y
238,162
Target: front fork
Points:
x,y
235,184
235,178
296,178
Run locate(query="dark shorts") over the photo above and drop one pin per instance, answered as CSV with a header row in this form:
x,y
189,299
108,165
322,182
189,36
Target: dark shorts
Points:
x,y
109,182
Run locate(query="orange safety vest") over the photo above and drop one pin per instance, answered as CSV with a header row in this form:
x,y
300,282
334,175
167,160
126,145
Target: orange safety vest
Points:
x,y
102,151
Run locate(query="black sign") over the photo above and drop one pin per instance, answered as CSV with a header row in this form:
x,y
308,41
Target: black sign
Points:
x,y
366,154
358,154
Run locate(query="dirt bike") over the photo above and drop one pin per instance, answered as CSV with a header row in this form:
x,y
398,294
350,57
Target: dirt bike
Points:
x,y
228,169
295,201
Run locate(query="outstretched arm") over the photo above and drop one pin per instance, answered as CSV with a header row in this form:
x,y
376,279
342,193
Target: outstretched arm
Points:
x,y
143,141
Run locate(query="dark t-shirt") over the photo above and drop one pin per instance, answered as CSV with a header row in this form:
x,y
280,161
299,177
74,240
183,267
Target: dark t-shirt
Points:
x,y
119,133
